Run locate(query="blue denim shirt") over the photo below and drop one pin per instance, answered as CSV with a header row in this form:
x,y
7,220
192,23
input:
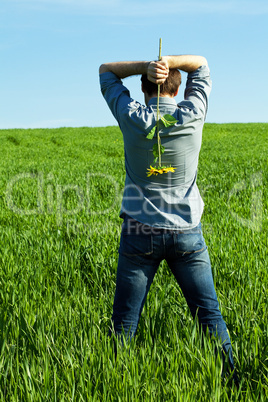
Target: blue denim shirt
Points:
x,y
170,200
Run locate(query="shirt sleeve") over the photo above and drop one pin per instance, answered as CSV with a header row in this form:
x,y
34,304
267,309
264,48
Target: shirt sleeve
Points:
x,y
198,88
115,93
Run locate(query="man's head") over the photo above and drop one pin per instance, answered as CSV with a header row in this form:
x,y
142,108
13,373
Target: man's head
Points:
x,y
169,88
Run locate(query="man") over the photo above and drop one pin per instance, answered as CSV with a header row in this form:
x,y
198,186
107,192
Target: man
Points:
x,y
162,212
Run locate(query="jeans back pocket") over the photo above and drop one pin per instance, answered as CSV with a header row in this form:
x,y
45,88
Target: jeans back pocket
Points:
x,y
189,242
132,245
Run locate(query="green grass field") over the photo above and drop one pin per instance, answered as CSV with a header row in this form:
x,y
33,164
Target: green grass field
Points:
x,y
60,197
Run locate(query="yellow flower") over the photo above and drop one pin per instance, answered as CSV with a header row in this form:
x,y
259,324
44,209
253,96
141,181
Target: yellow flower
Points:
x,y
159,170
152,171
169,169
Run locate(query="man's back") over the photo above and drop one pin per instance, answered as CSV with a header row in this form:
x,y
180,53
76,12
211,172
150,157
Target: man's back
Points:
x,y
169,200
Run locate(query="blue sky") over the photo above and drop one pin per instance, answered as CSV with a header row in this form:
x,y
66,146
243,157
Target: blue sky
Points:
x,y
51,51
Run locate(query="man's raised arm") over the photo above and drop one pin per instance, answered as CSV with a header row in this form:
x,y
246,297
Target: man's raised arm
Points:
x,y
157,71
187,63
123,69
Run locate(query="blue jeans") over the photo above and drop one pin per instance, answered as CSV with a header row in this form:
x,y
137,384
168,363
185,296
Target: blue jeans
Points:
x,y
141,250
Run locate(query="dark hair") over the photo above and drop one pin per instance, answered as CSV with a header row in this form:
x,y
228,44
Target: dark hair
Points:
x,y
169,87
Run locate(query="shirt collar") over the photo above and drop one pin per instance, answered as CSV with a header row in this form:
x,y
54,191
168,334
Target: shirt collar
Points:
x,y
162,101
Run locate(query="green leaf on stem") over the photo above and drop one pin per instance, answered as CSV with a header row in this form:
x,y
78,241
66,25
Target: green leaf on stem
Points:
x,y
168,120
150,136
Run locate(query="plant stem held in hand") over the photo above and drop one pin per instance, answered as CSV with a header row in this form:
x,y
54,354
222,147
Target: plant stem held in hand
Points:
x,y
158,111
166,121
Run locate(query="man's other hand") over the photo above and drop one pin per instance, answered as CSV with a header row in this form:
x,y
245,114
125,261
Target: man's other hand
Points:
x,y
157,71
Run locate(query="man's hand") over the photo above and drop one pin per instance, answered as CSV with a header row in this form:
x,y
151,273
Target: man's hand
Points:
x,y
157,71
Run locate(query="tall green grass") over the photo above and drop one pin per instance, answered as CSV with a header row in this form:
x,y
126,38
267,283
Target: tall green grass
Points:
x,y
60,194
